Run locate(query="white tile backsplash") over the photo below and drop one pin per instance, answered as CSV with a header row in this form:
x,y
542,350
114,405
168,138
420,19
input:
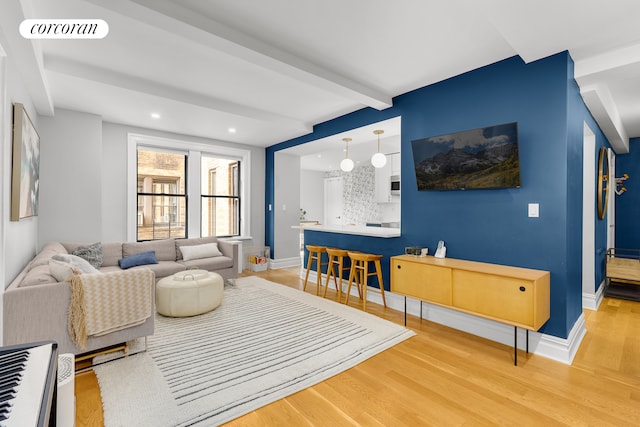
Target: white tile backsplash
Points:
x,y
358,197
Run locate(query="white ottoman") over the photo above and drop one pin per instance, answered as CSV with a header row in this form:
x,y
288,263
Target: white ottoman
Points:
x,y
189,293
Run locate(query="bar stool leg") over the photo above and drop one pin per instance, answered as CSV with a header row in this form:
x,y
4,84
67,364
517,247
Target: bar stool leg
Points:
x,y
352,277
330,272
319,275
364,285
306,277
340,267
380,283
359,277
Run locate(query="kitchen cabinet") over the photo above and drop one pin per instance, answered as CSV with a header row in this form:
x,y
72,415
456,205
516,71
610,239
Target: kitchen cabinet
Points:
x,y
395,163
383,179
382,183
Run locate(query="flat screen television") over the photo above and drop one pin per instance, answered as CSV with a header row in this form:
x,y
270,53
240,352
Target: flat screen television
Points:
x,y
472,159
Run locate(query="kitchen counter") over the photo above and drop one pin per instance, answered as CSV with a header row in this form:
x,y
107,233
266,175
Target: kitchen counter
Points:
x,y
354,229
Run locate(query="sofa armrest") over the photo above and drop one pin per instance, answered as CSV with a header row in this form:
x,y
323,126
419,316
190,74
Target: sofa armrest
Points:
x,y
41,312
35,313
231,249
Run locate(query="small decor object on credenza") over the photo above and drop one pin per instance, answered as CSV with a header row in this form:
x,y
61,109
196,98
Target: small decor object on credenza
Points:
x,y
441,251
413,250
26,166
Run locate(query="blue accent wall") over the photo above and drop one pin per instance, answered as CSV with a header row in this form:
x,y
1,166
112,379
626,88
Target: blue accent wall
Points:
x,y
489,225
628,204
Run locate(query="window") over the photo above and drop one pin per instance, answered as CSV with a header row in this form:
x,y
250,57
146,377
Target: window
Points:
x,y
162,197
165,200
220,187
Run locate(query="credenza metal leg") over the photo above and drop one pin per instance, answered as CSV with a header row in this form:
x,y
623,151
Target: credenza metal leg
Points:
x,y
515,346
405,311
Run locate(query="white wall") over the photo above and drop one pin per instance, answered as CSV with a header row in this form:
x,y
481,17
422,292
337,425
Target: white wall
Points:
x,y
114,182
19,242
70,177
311,190
286,209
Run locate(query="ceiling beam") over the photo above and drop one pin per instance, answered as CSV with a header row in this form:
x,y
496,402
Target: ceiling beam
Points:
x,y
600,102
178,20
141,85
616,59
27,56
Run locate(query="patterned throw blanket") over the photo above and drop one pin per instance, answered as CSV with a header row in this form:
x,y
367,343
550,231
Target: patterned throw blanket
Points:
x,y
106,302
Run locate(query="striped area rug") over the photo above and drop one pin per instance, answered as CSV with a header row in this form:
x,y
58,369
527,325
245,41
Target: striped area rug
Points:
x,y
266,341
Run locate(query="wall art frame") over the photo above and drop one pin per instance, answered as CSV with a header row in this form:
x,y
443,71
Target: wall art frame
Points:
x,y
25,176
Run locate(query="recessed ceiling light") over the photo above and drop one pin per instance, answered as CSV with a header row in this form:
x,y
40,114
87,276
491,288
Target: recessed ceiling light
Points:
x,y
155,115
232,130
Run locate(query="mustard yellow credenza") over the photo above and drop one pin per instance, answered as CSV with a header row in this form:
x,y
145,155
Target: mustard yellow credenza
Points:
x,y
512,295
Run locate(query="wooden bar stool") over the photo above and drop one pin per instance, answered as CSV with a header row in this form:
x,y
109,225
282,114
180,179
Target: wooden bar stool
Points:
x,y
315,254
359,273
336,261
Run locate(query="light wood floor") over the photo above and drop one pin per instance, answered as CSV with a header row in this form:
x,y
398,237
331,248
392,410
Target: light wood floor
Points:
x,y
444,377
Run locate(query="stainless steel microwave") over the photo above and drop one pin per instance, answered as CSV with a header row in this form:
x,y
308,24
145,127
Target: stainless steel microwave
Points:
x,y
395,184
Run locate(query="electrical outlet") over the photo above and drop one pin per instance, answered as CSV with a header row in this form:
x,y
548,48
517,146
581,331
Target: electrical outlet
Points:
x,y
534,210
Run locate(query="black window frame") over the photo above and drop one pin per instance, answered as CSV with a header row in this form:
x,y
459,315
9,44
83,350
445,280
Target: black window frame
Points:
x,y
236,196
185,196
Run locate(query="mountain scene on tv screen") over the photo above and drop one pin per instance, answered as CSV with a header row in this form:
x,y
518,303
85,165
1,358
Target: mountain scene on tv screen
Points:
x,y
473,159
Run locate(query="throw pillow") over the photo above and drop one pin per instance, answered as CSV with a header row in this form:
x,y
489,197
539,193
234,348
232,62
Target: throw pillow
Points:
x,y
62,270
77,262
207,250
143,258
91,253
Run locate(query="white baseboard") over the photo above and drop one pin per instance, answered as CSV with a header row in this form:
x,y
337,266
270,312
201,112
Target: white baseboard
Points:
x,y
592,301
564,349
549,346
284,262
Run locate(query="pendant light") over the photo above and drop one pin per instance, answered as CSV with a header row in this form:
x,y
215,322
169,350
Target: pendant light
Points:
x,y
378,160
346,164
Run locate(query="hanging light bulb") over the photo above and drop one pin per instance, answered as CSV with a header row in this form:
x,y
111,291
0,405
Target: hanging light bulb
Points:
x,y
378,160
346,164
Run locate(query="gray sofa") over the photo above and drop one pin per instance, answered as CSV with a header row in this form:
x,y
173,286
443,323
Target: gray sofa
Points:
x,y
35,305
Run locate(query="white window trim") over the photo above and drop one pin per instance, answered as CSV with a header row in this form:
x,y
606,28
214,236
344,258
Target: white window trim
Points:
x,y
195,150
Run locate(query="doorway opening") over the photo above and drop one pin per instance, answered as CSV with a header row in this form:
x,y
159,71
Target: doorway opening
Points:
x,y
589,220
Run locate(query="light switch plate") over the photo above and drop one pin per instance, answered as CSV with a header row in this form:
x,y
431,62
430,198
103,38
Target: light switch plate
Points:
x,y
534,210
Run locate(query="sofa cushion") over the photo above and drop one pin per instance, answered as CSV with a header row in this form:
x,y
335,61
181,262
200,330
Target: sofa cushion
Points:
x,y
192,242
92,253
111,253
211,264
164,268
39,275
142,258
208,250
165,249
46,253
63,270
75,261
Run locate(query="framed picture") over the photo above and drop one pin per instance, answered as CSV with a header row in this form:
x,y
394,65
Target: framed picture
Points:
x,y
26,166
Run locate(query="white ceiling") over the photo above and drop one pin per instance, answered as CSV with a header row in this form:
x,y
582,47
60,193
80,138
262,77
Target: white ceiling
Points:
x,y
273,69
325,154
